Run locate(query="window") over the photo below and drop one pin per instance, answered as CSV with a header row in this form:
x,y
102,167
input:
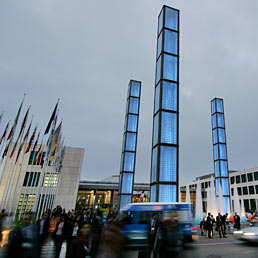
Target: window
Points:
x,y
237,179
127,184
157,95
168,127
204,195
256,189
203,185
206,184
243,177
251,189
169,95
239,191
255,176
31,179
135,89
171,18
167,193
245,190
232,180
170,41
170,67
154,164
250,177
232,191
246,205
253,205
130,142
32,158
134,105
156,129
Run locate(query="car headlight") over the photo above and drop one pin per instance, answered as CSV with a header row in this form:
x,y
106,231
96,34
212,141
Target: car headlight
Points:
x,y
238,232
249,234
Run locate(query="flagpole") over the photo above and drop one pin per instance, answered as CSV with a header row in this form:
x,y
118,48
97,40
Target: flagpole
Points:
x,y
43,189
60,174
18,176
53,171
42,174
26,186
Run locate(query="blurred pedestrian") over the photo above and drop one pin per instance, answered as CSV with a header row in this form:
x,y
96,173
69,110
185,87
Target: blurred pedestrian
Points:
x,y
153,227
224,223
59,234
171,240
72,233
236,221
202,226
84,245
43,225
209,225
219,221
23,241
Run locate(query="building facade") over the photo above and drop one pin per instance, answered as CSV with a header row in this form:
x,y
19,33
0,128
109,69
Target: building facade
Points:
x,y
104,194
20,189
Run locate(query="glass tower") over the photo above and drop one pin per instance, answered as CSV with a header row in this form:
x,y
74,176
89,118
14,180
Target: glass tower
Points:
x,y
220,150
127,168
164,162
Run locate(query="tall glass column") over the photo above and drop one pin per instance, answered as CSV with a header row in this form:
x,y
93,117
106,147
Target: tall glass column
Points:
x,y
127,168
220,151
164,163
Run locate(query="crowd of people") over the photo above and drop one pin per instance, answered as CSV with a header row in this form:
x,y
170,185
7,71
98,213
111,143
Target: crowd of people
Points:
x,y
85,233
209,223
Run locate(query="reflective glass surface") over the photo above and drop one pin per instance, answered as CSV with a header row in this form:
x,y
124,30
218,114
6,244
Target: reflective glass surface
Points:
x,y
134,105
122,160
130,141
213,110
156,129
169,96
225,203
170,42
168,127
159,47
222,136
157,95
135,89
219,105
154,164
127,184
225,186
125,199
153,193
171,19
221,120
161,21
129,161
170,67
215,152
167,193
214,136
168,163
222,151
224,168
214,121
216,168
217,182
132,123
158,69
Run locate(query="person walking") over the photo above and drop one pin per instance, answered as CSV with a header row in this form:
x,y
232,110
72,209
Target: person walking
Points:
x,y
84,245
202,226
219,219
43,226
153,227
224,223
59,234
236,221
209,225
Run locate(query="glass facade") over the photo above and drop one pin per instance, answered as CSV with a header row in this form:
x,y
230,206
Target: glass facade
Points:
x,y
164,167
129,145
220,151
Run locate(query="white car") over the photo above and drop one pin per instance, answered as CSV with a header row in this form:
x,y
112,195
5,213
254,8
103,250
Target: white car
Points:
x,y
249,234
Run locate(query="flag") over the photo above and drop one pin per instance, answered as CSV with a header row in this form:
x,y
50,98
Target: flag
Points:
x,y
31,140
51,119
4,134
23,142
15,121
36,142
55,141
61,159
21,131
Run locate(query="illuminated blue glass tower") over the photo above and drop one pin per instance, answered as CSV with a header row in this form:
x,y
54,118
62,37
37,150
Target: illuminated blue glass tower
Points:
x,y
164,162
220,150
127,168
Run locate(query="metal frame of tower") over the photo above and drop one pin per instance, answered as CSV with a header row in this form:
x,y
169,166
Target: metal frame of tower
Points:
x,y
220,156
129,146
165,137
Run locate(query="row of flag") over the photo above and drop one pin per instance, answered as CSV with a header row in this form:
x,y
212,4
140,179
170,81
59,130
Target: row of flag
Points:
x,y
23,140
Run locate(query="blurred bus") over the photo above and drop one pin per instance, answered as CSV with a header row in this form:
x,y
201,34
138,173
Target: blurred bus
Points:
x,y
137,216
